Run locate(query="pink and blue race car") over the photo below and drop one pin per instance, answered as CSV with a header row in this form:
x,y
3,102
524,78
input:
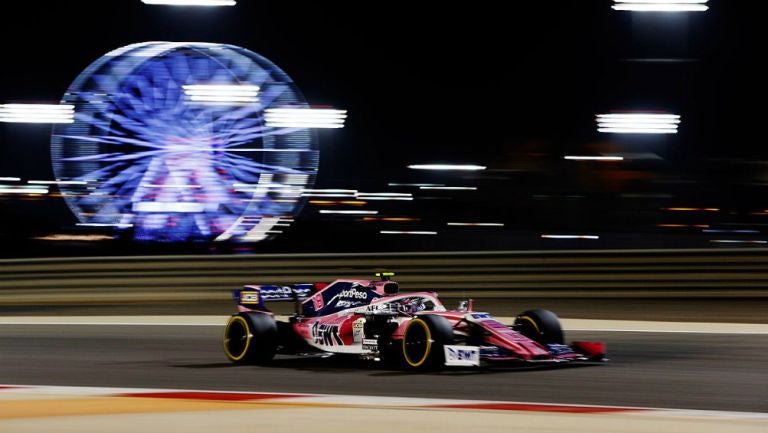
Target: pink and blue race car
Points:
x,y
373,320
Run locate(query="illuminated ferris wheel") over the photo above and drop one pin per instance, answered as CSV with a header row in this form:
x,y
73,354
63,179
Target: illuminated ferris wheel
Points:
x,y
185,141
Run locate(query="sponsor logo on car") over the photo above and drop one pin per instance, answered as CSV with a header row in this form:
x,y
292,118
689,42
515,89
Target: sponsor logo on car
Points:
x,y
357,330
462,355
352,293
249,297
370,344
326,335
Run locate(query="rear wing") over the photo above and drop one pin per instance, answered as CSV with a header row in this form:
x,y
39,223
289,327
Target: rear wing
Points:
x,y
253,297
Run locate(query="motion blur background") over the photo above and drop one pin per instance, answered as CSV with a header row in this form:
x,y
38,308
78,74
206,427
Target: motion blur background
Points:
x,y
514,88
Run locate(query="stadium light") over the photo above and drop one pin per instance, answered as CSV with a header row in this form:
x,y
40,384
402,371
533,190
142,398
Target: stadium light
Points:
x,y
190,2
660,5
37,113
304,118
638,123
222,94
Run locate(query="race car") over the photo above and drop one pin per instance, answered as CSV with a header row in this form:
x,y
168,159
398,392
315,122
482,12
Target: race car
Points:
x,y
373,320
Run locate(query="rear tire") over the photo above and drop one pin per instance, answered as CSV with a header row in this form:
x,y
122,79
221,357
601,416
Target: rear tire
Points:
x,y
250,338
540,325
423,341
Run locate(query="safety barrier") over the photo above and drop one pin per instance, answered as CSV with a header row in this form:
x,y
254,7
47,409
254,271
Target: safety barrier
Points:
x,y
607,273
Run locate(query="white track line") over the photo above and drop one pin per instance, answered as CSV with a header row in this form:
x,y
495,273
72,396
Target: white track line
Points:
x,y
568,324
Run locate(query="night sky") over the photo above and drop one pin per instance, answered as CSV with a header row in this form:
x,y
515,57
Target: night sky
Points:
x,y
513,87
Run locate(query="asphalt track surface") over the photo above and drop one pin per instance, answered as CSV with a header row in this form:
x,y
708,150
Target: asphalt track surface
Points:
x,y
674,370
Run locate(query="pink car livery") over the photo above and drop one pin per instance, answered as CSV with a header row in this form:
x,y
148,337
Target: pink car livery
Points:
x,y
373,320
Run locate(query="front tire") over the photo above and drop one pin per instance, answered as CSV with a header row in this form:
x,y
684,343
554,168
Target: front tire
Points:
x,y
250,338
423,341
541,326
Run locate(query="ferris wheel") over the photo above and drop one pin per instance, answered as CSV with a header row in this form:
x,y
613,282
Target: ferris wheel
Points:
x,y
174,142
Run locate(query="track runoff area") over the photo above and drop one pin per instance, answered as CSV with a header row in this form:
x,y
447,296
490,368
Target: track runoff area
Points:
x,y
94,409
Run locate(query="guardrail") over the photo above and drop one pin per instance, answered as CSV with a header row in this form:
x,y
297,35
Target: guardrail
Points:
x,y
606,273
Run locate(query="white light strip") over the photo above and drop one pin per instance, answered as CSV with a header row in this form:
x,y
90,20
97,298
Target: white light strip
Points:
x,y
385,194
349,212
397,232
328,195
22,190
455,188
37,113
663,1
10,179
238,149
331,191
477,224
168,207
660,7
415,184
190,2
593,158
637,130
58,182
119,225
304,118
638,123
570,236
736,241
360,197
152,185
466,167
222,94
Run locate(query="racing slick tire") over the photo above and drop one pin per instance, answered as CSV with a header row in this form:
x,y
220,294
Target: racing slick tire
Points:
x,y
423,341
250,338
540,325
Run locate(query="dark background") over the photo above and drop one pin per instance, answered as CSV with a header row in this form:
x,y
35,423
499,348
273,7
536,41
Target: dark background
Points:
x,y
510,86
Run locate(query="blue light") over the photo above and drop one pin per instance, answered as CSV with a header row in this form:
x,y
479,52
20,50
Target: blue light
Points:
x,y
166,164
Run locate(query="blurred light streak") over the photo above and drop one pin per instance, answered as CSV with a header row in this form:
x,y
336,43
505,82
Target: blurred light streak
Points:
x,y
465,167
37,113
729,231
737,241
67,237
383,198
338,202
478,224
349,212
691,209
674,226
154,185
454,188
57,182
398,232
190,2
415,184
638,123
220,94
22,190
10,179
122,226
385,195
328,195
570,236
340,191
304,118
394,219
593,158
